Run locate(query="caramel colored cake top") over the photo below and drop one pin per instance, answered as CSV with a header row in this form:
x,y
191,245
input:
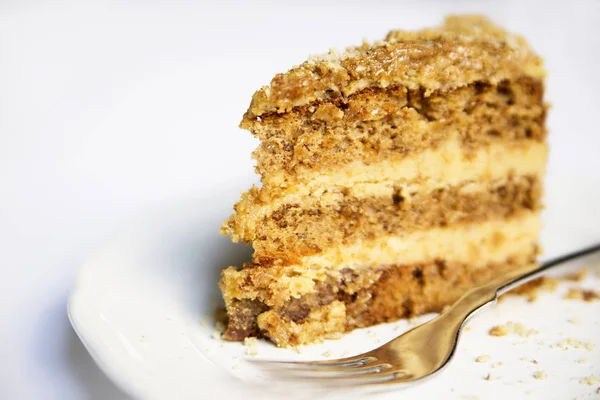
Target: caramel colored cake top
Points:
x,y
463,50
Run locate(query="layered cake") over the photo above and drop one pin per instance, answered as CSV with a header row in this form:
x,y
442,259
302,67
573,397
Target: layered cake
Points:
x,y
395,176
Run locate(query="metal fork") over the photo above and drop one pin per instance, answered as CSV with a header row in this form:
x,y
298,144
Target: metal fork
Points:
x,y
424,350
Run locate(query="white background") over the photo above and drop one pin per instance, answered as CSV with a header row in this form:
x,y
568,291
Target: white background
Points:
x,y
108,110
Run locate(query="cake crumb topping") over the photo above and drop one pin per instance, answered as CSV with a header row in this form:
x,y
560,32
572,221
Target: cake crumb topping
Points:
x,y
464,49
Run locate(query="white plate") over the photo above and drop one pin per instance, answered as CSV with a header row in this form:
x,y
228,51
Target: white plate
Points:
x,y
143,306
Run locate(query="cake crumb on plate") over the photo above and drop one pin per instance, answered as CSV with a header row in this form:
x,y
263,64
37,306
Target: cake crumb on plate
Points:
x,y
482,358
540,375
251,344
516,328
573,343
589,380
498,330
581,294
531,290
490,377
577,276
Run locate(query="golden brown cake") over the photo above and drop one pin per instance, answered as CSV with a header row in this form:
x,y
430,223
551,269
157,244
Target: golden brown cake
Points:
x,y
395,176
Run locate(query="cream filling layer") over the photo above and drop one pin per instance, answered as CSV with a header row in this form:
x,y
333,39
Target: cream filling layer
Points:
x,y
476,244
447,164
423,172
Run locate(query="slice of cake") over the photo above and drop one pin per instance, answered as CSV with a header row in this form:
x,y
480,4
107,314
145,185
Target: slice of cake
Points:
x,y
395,176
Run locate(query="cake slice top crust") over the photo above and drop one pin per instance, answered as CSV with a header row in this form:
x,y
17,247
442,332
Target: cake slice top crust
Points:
x,y
465,49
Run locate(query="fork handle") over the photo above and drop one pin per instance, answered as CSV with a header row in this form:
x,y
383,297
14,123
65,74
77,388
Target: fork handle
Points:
x,y
545,267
